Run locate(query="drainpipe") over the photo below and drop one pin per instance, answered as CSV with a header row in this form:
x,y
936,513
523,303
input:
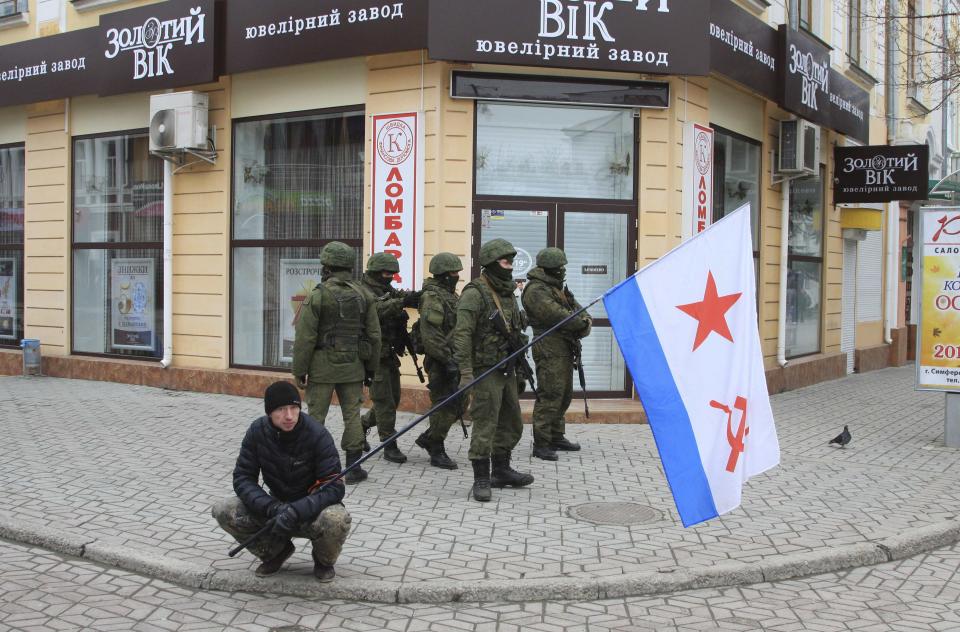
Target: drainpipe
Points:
x,y
167,264
784,244
893,208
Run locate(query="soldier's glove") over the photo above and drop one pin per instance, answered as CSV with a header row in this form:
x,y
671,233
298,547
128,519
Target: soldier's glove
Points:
x,y
368,378
275,507
301,381
285,522
412,299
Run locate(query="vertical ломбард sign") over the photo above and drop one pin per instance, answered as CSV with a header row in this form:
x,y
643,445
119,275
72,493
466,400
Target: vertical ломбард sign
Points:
x,y
697,178
938,341
397,199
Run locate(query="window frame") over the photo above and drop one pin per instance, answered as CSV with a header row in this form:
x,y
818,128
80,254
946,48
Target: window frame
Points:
x,y
791,258
107,246
18,247
234,244
854,31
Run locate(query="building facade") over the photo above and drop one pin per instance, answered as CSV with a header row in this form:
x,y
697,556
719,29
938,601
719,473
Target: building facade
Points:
x,y
562,123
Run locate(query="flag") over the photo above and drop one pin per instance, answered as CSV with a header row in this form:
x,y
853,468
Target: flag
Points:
x,y
687,328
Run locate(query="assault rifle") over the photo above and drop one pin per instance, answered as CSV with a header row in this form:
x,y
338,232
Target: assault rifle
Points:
x,y
514,344
578,356
402,336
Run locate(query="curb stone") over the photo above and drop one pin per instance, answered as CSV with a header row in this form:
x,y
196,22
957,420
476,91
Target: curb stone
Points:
x,y
922,539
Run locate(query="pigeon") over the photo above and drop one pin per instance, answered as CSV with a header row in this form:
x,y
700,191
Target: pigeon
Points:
x,y
843,438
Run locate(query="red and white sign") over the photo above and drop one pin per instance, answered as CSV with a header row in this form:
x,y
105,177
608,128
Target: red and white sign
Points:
x,y
397,199
697,178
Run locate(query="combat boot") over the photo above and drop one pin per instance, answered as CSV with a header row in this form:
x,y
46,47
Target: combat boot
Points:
x,y
544,452
356,475
565,445
438,455
502,475
393,454
481,480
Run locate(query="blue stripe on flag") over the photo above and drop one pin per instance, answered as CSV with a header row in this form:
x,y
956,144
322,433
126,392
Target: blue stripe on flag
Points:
x,y
666,413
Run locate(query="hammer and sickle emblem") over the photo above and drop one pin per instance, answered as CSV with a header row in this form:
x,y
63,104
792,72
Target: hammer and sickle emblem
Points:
x,y
734,439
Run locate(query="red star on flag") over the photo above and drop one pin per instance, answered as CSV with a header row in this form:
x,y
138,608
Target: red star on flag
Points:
x,y
711,312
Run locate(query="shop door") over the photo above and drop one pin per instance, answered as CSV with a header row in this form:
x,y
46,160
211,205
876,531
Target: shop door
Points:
x,y
599,242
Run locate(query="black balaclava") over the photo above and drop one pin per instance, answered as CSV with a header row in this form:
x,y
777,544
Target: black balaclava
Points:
x,y
497,271
447,281
560,274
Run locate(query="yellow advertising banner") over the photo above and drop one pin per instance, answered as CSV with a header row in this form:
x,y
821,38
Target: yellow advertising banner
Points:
x,y
938,339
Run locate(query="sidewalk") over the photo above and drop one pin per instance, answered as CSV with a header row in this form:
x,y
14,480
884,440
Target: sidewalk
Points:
x,y
125,475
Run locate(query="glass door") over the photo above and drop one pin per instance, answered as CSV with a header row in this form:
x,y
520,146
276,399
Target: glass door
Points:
x,y
599,241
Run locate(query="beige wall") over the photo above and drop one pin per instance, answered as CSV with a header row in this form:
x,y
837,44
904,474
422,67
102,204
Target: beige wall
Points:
x,y
13,124
297,88
98,115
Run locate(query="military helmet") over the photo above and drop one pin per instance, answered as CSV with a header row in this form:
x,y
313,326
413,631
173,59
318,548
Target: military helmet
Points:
x,y
337,254
444,262
551,258
383,262
496,249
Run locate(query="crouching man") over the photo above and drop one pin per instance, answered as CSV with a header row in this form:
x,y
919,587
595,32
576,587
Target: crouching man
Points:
x,y
296,456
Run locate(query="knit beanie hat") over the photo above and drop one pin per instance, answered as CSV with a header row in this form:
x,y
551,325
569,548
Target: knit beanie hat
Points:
x,y
280,394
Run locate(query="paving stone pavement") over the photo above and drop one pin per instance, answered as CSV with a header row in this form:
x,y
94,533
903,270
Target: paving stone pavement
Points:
x,y
41,591
140,467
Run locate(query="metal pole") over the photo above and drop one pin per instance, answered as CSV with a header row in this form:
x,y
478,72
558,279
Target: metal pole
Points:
x,y
951,421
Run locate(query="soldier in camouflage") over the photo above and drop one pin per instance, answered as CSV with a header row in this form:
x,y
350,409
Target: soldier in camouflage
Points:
x,y
438,315
478,345
548,301
385,389
336,348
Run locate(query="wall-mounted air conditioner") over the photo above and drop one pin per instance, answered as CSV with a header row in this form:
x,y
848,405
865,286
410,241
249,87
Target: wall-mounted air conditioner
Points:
x,y
178,120
799,147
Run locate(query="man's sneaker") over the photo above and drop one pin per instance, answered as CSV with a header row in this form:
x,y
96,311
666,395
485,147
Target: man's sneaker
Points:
x,y
271,566
323,573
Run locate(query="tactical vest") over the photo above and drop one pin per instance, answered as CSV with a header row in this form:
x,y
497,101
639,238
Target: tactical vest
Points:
x,y
491,347
343,317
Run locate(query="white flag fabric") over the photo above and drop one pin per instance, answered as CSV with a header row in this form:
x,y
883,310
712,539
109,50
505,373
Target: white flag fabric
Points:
x,y
687,327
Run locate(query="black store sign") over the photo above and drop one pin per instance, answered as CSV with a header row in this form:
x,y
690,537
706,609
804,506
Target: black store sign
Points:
x,y
744,48
163,45
268,33
157,46
880,173
813,90
653,36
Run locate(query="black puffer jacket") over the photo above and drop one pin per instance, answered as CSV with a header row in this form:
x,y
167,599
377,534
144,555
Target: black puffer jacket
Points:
x,y
291,462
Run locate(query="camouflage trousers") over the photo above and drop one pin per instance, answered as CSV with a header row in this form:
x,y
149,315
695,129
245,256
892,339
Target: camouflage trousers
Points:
x,y
495,410
441,385
555,383
350,395
385,395
327,533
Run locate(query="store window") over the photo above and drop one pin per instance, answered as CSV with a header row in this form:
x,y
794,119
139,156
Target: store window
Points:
x,y
297,185
854,18
528,150
117,246
805,266
11,244
736,178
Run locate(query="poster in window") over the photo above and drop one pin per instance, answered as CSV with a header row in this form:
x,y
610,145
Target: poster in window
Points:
x,y
8,299
938,335
298,277
133,303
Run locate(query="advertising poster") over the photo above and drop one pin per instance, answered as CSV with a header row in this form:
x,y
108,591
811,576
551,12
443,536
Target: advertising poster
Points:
x,y
298,277
398,193
133,304
938,340
8,299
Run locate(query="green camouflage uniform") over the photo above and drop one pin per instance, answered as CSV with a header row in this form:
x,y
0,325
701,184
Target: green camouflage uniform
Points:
x,y
438,315
385,389
547,303
495,404
337,343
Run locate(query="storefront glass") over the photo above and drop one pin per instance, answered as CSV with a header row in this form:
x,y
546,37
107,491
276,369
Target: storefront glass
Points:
x,y
805,266
736,178
11,244
297,184
117,246
556,152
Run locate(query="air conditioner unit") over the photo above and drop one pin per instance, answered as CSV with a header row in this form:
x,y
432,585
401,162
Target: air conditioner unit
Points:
x,y
178,120
799,147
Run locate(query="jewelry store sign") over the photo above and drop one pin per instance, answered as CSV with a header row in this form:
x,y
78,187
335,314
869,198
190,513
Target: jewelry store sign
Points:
x,y
938,340
656,36
397,200
880,173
